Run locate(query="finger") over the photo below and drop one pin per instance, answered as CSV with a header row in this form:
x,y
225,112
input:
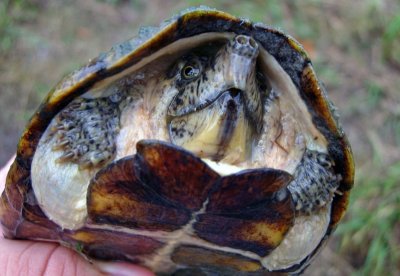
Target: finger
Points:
x,y
38,258
3,173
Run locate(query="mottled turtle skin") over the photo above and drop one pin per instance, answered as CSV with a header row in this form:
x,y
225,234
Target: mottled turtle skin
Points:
x,y
22,218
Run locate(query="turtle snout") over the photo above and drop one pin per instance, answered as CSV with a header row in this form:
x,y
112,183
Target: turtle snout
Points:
x,y
245,46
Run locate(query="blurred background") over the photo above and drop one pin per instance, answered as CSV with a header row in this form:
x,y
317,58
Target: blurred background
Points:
x,y
355,48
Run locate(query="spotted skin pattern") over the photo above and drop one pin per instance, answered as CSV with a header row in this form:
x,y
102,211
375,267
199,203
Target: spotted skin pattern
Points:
x,y
196,92
314,182
86,130
214,82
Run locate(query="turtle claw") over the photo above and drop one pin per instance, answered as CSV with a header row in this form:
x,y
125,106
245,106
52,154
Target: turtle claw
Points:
x,y
67,156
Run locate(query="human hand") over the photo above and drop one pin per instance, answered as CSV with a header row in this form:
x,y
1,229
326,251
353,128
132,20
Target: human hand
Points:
x,y
42,258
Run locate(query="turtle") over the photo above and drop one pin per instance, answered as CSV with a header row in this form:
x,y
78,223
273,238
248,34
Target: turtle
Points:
x,y
203,146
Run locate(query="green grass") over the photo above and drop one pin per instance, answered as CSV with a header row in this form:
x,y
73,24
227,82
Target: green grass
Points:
x,y
7,29
375,94
393,128
373,219
13,14
391,40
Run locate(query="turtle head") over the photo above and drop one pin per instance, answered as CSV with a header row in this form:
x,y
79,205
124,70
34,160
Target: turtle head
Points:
x,y
217,106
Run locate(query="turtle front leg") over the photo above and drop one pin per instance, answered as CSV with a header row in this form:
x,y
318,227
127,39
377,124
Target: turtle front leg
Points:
x,y
315,182
86,130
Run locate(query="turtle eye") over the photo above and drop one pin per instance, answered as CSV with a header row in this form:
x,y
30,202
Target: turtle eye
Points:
x,y
190,71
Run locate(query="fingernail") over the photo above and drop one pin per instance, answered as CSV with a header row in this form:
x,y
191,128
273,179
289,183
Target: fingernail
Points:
x,y
123,269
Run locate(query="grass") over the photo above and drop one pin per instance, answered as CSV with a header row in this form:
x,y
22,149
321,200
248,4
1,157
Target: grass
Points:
x,y
373,221
391,40
393,128
375,94
7,30
14,13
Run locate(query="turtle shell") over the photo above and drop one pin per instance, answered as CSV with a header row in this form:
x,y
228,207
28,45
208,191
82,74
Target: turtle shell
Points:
x,y
164,206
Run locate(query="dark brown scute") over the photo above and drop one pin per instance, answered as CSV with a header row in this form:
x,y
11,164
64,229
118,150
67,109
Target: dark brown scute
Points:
x,y
339,206
194,256
117,196
246,209
12,199
32,212
175,174
107,245
242,190
163,186
35,231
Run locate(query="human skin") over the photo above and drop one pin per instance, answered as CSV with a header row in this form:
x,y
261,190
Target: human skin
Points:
x,y
41,258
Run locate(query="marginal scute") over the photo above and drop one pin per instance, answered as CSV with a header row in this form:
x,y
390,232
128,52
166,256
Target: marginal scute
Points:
x,y
310,86
219,260
105,245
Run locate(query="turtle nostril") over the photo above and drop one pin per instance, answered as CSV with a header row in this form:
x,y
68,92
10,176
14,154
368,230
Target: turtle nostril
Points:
x,y
241,39
252,42
245,45
246,41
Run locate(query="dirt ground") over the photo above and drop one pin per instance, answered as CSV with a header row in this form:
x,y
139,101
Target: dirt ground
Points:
x,y
355,48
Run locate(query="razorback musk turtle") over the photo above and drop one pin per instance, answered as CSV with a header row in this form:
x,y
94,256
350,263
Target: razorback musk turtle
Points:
x,y
206,145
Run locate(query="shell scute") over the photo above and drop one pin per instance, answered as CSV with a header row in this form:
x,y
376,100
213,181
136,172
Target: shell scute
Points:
x,y
253,209
116,196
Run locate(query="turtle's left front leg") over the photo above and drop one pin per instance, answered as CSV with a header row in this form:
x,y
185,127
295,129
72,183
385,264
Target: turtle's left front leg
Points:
x,y
315,182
